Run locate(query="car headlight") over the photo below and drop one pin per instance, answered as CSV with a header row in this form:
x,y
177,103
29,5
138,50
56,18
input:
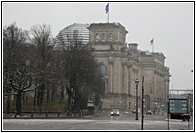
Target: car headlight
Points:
x,y
111,112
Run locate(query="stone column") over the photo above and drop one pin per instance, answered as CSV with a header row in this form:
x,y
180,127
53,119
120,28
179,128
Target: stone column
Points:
x,y
110,79
119,74
122,78
129,78
106,86
125,79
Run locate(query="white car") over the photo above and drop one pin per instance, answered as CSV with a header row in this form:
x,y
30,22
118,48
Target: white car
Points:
x,y
115,112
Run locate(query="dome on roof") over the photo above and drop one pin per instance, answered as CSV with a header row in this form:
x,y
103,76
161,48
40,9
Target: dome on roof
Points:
x,y
72,33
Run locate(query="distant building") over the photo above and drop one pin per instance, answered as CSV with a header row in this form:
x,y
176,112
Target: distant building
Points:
x,y
121,64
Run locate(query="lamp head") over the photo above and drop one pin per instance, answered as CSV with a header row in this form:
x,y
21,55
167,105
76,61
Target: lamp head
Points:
x,y
136,81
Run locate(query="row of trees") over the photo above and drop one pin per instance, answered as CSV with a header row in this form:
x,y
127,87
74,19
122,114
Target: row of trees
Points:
x,y
31,64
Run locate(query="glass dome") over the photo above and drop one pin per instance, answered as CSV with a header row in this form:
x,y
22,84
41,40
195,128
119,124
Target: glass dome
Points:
x,y
72,33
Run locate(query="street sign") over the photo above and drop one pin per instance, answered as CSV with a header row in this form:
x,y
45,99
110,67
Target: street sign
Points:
x,y
178,106
90,103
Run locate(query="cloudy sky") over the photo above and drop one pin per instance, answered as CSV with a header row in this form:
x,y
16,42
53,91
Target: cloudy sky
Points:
x,y
171,25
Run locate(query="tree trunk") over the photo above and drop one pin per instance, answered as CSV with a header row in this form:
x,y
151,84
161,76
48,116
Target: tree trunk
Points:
x,y
23,98
8,104
62,93
18,102
47,96
40,97
69,103
39,101
40,108
52,94
35,96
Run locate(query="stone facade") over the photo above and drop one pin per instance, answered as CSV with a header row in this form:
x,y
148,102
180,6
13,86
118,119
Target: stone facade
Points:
x,y
121,64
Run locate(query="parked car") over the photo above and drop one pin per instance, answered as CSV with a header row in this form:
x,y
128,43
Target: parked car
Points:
x,y
134,110
185,117
115,112
149,112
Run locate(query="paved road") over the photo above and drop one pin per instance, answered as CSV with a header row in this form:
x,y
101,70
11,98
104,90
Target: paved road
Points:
x,y
126,121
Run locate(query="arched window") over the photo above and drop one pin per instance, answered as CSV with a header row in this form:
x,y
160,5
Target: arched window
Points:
x,y
103,36
110,36
97,36
103,69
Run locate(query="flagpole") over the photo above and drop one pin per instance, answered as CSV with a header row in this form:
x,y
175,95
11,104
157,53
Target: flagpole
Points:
x,y
107,11
108,16
153,45
153,48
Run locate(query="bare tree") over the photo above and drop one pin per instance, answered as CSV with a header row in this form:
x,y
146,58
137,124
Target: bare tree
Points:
x,y
41,38
16,63
35,66
80,72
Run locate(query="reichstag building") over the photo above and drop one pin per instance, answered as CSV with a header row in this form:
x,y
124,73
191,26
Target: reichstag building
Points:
x,y
121,64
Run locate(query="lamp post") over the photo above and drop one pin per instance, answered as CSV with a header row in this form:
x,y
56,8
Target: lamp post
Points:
x,y
142,124
136,83
188,111
168,114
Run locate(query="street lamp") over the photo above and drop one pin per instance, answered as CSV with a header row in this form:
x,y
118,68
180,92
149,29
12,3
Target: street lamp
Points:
x,y
142,125
136,83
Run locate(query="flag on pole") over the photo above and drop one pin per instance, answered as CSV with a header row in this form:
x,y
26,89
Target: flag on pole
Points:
x,y
152,42
107,8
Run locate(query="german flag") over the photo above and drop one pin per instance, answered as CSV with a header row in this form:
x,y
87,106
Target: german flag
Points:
x,y
152,42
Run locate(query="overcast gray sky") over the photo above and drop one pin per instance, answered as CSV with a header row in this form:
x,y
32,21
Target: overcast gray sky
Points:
x,y
171,25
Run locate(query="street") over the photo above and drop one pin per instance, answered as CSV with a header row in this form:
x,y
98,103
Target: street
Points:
x,y
126,121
